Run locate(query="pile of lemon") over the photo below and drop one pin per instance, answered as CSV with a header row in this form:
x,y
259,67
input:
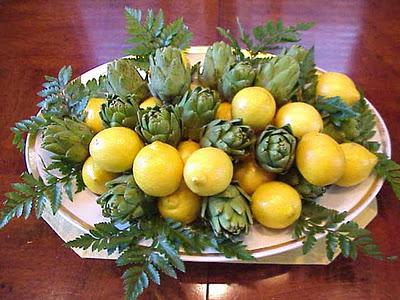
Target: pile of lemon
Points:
x,y
181,176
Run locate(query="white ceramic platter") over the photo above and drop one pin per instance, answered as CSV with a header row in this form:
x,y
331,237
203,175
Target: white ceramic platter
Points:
x,y
80,215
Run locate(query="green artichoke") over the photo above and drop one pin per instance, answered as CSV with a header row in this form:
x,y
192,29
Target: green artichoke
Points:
x,y
67,138
124,79
120,112
306,190
218,58
170,77
123,200
297,52
235,78
228,212
275,149
230,136
160,124
279,76
198,109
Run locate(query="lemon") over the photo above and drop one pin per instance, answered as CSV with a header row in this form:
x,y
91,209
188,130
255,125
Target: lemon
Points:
x,y
359,164
224,111
331,84
158,169
255,106
95,177
320,159
115,148
208,171
183,205
92,111
150,102
186,148
302,117
250,176
276,205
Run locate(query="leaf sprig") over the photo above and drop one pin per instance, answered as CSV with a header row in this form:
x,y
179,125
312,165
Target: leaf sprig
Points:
x,y
390,171
144,264
349,237
266,37
152,33
32,192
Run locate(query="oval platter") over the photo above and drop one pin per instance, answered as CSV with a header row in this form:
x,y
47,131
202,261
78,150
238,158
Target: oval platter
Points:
x,y
77,217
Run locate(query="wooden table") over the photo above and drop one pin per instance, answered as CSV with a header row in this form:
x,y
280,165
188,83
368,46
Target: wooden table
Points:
x,y
360,38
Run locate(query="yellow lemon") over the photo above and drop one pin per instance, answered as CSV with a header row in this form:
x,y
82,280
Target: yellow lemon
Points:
x,y
208,171
255,106
320,159
359,164
276,205
150,102
115,148
183,205
331,84
158,169
186,148
250,176
302,117
224,111
92,111
95,177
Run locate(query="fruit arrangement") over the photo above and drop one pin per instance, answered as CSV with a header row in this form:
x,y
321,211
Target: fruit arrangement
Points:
x,y
191,157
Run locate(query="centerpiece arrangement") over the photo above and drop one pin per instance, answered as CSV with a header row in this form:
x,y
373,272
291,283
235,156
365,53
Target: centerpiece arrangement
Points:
x,y
187,158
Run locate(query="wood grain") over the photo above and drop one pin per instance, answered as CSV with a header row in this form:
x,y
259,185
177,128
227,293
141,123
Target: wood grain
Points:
x,y
360,38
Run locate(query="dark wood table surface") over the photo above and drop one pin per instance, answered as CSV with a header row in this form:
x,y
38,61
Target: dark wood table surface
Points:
x,y
360,38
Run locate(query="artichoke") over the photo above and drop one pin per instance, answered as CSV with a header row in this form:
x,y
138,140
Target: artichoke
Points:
x,y
67,138
306,190
279,76
124,79
170,77
218,58
160,124
120,112
198,109
123,200
297,52
230,136
228,212
235,78
275,149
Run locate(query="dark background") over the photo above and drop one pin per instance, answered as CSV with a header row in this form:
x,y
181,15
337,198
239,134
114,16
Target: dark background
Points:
x,y
360,38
